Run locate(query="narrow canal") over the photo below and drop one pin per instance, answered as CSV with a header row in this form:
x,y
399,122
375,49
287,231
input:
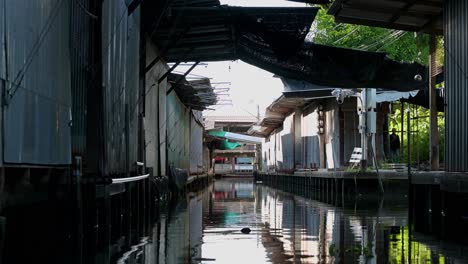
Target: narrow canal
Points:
x,y
285,228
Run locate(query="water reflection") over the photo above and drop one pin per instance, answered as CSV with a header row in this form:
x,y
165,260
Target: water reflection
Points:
x,y
205,228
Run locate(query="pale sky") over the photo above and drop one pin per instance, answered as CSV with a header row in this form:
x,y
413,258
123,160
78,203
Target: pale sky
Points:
x,y
250,86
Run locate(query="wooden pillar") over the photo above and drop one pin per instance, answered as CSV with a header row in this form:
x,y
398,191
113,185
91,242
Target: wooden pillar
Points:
x,y
434,131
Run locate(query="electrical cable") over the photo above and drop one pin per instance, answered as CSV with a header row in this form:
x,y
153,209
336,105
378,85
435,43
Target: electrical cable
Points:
x,y
80,4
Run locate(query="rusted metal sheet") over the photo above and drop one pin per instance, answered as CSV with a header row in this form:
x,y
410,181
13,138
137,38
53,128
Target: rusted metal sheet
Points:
x,y
120,52
456,82
35,72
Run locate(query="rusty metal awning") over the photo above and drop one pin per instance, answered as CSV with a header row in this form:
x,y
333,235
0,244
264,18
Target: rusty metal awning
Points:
x,y
409,15
196,94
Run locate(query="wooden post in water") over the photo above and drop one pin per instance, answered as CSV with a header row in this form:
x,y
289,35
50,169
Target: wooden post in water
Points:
x,y
434,131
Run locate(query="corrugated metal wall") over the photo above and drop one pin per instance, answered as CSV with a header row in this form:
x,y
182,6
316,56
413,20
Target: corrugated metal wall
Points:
x,y
120,51
35,70
352,138
196,142
286,145
155,111
81,61
298,161
280,147
310,141
178,134
332,137
456,83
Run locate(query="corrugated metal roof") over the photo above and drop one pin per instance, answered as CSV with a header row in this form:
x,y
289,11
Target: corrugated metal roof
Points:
x,y
273,39
275,114
404,15
216,33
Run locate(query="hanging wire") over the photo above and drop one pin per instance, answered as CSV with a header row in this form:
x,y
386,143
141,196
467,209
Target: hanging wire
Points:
x,y
36,46
345,36
82,6
392,41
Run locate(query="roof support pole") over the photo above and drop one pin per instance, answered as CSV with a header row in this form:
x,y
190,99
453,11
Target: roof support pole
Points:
x,y
434,129
363,129
168,72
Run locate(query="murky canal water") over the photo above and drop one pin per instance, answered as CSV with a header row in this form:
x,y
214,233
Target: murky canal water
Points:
x,y
205,227
285,228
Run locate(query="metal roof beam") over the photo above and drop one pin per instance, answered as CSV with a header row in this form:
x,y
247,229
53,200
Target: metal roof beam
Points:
x,y
405,8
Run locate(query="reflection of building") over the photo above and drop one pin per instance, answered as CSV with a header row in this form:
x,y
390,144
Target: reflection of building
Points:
x,y
312,232
233,190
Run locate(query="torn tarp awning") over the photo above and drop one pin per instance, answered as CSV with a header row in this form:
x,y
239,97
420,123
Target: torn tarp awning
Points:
x,y
392,96
340,67
297,88
305,90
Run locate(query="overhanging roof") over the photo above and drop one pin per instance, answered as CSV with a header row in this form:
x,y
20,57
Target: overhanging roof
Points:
x,y
275,114
217,32
408,15
273,39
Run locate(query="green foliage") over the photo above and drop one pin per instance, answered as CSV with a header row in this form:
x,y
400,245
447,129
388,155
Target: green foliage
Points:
x,y
420,128
399,45
333,250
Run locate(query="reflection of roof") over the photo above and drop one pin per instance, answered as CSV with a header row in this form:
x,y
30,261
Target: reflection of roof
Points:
x,y
275,115
197,94
403,15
